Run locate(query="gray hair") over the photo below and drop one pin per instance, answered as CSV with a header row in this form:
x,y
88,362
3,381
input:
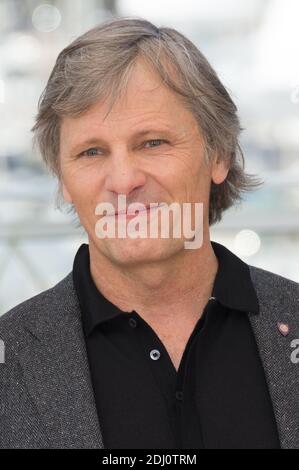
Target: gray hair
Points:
x,y
98,65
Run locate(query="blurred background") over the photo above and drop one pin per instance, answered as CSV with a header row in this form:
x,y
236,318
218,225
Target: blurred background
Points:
x,y
254,47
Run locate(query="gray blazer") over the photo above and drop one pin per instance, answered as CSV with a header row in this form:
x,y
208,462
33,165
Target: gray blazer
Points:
x,y
46,396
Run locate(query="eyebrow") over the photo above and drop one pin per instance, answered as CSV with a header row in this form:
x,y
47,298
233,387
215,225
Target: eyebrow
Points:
x,y
96,140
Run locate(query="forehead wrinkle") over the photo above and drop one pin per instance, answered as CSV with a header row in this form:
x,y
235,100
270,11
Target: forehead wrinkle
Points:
x,y
133,108
138,122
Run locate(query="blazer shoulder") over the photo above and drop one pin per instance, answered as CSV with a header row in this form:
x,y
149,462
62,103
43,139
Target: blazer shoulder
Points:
x,y
42,304
275,291
267,279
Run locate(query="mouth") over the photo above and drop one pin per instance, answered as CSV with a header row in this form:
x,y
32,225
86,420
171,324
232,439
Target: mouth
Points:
x,y
130,214
147,209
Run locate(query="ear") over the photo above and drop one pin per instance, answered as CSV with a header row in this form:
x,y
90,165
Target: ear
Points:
x,y
66,195
220,169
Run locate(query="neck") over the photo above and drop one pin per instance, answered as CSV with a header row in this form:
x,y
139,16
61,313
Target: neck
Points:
x,y
166,288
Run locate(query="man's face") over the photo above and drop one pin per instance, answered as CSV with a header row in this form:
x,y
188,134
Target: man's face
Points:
x,y
102,158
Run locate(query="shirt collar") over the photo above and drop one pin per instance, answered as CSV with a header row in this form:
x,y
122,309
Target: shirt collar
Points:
x,y
95,307
233,287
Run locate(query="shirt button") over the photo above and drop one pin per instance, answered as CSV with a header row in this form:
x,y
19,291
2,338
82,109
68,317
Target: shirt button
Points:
x,y
155,354
179,395
132,322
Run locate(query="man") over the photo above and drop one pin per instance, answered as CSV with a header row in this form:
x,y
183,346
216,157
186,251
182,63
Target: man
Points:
x,y
148,343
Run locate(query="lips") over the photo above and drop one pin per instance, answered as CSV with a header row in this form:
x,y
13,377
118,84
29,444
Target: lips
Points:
x,y
137,210
132,213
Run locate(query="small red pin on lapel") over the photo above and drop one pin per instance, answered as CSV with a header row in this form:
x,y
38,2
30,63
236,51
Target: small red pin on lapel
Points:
x,y
283,328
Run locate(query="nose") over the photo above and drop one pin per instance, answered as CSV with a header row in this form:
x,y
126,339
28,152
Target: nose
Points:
x,y
122,174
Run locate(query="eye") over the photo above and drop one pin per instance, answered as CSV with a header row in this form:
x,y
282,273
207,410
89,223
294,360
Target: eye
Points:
x,y
89,152
156,141
93,151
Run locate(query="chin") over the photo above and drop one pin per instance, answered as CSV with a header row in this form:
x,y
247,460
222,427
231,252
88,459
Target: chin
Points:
x,y
135,251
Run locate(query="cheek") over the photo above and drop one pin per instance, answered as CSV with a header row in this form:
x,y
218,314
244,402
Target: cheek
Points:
x,y
82,182
85,202
175,169
84,187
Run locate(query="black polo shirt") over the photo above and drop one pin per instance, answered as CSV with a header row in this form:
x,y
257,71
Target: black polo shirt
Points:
x,y
218,398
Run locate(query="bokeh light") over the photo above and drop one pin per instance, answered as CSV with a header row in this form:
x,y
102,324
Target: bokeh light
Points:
x,y
247,243
46,18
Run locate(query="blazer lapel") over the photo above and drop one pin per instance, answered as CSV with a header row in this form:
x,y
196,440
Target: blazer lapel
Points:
x,y
275,349
56,371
